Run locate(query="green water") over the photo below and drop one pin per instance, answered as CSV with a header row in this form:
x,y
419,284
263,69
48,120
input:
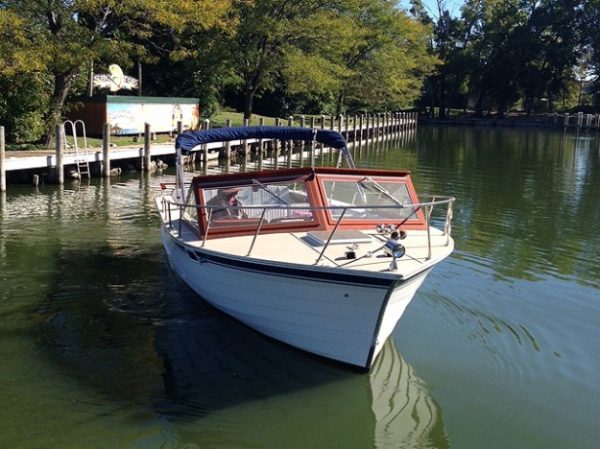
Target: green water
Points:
x,y
101,346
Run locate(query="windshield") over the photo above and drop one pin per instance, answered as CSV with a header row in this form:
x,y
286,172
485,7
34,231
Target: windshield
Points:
x,y
280,202
393,194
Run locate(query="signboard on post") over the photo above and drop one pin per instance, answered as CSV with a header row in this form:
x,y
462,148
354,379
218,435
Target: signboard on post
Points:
x,y
115,80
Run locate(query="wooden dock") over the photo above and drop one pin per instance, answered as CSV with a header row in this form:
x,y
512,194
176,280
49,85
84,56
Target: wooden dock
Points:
x,y
53,164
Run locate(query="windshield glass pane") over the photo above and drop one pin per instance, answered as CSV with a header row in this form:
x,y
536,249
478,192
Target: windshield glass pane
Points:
x,y
393,195
280,202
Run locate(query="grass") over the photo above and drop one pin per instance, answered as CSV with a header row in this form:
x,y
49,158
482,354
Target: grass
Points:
x,y
237,119
216,121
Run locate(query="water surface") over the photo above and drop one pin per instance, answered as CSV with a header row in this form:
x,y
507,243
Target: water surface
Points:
x,y
102,346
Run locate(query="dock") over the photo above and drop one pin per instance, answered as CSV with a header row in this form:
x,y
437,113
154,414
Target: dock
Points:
x,y
52,165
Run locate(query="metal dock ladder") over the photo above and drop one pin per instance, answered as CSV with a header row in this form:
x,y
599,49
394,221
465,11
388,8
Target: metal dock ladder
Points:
x,y
81,160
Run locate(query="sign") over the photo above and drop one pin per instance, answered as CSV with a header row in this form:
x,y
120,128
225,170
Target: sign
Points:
x,y
129,118
115,80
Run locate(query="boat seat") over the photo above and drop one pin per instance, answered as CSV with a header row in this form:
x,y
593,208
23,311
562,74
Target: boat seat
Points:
x,y
279,196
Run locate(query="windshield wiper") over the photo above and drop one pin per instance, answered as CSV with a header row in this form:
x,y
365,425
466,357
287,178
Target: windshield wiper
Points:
x,y
380,189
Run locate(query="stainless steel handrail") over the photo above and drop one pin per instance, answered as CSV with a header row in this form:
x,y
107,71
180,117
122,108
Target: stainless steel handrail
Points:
x,y
426,206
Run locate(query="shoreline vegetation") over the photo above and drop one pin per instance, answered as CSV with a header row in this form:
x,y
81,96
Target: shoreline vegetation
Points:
x,y
517,120
281,58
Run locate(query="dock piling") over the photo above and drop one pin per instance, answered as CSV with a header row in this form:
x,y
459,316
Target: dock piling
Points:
x,y
106,150
59,141
260,150
245,148
147,138
290,144
227,147
2,159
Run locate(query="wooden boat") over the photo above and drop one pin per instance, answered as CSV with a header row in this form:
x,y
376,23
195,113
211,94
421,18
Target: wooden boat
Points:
x,y
321,258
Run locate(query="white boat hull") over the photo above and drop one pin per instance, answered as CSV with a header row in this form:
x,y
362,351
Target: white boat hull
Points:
x,y
342,318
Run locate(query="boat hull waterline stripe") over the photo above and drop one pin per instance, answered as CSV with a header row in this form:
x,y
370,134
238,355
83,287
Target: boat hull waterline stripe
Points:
x,y
278,270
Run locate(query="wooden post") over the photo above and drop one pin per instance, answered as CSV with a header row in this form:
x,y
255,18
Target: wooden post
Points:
x,y
106,150
227,146
354,128
332,127
205,125
302,143
566,122
347,126
360,127
320,145
147,138
313,145
261,154
276,147
340,128
290,144
2,159
245,149
60,173
139,66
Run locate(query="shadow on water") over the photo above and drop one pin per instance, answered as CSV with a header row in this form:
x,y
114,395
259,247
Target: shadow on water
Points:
x,y
136,334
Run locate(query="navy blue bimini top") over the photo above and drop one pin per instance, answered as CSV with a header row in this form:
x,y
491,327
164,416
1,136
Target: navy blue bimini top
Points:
x,y
189,140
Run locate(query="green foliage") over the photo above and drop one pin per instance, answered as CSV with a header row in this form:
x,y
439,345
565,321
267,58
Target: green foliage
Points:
x,y
319,53
23,100
507,52
388,58
65,37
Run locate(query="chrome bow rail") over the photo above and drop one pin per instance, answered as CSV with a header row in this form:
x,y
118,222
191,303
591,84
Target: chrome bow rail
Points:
x,y
169,201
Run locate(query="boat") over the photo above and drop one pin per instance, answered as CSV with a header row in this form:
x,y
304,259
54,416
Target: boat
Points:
x,y
325,259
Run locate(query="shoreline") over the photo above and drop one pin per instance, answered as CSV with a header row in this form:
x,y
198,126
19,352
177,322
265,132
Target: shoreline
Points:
x,y
558,121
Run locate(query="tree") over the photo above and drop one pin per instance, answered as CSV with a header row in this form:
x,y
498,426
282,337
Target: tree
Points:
x,y
22,80
266,42
387,58
73,34
591,25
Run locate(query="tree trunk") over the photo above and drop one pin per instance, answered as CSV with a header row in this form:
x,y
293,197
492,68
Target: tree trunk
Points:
x,y
442,102
62,86
479,104
248,103
340,104
250,89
